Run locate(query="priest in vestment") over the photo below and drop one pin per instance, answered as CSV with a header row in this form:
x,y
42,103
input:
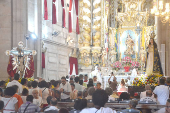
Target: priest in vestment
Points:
x,y
96,73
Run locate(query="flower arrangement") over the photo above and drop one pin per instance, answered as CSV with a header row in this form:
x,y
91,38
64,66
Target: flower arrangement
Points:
x,y
144,80
127,61
117,65
8,80
135,64
152,79
138,81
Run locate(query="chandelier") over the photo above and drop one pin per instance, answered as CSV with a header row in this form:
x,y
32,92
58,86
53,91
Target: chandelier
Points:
x,y
159,10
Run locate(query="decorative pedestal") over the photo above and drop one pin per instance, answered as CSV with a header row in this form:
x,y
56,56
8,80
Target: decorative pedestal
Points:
x,y
127,68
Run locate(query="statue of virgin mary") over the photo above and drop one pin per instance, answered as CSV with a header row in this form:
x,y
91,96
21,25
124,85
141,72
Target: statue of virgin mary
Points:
x,y
153,63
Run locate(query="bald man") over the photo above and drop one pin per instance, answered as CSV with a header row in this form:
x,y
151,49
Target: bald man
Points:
x,y
148,97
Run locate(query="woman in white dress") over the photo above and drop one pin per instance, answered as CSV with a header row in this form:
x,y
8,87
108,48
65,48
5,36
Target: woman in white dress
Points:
x,y
10,102
122,87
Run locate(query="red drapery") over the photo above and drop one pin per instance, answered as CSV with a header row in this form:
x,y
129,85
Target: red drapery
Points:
x,y
69,17
45,10
62,3
29,72
10,70
54,19
77,23
43,60
72,61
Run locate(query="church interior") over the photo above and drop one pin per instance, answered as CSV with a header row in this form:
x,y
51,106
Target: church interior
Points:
x,y
49,39
72,37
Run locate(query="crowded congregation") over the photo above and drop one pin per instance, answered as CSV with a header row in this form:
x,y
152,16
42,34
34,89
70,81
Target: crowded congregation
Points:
x,y
23,96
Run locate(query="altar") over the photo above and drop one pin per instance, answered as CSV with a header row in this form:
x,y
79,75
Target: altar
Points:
x,y
105,79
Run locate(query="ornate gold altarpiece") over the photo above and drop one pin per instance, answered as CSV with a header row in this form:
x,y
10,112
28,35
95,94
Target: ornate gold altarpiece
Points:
x,y
103,17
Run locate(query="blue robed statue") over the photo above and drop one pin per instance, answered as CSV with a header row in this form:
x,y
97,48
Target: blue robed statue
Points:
x,y
153,63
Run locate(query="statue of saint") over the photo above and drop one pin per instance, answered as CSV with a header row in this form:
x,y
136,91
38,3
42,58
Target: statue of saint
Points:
x,y
153,63
74,54
21,59
96,58
104,57
129,44
112,55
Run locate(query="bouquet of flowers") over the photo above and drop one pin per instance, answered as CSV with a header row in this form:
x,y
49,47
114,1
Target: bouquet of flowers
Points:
x,y
136,64
138,81
152,80
127,61
144,80
117,65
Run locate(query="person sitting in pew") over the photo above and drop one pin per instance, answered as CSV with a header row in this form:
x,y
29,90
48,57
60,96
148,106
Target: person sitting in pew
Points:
x,y
79,105
132,107
148,97
109,91
99,100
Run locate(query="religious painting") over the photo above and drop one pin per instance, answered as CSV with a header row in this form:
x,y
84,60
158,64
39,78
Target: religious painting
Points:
x,y
128,44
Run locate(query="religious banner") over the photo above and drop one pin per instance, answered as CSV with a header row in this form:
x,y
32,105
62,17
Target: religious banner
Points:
x,y
43,60
54,19
10,70
45,10
69,17
30,71
77,22
63,22
73,65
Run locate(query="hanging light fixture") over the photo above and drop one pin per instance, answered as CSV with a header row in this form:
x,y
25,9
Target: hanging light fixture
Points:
x,y
159,10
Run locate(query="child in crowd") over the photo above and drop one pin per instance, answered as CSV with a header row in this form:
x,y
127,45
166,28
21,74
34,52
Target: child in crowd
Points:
x,y
86,79
79,95
37,99
71,81
98,85
73,93
24,95
95,80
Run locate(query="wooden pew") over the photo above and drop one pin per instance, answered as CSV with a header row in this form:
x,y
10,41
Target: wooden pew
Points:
x,y
116,106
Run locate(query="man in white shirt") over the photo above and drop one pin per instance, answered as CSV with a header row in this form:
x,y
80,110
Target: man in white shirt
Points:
x,y
15,82
78,87
148,97
162,92
65,89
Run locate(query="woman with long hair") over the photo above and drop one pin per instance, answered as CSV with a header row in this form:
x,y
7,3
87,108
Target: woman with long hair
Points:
x,y
122,87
